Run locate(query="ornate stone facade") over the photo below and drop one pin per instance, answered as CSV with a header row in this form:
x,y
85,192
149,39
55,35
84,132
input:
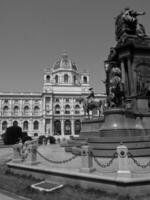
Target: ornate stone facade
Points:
x,y
56,110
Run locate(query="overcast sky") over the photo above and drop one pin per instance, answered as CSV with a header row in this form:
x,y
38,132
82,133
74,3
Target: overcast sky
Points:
x,y
34,33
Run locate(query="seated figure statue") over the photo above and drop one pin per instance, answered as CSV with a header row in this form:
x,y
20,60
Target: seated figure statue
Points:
x,y
126,22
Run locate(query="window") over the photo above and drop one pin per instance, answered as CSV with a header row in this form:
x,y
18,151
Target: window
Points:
x,y
47,78
36,110
36,125
67,109
6,101
57,100
74,79
26,110
57,109
67,99
57,127
85,79
15,123
25,125
77,109
47,99
77,126
67,127
5,110
4,125
16,110
66,78
56,79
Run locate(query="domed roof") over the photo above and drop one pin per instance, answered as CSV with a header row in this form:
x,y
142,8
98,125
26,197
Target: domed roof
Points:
x,y
64,63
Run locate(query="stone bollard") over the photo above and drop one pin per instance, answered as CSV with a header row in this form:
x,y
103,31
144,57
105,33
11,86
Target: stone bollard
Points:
x,y
86,159
123,168
32,154
17,153
44,141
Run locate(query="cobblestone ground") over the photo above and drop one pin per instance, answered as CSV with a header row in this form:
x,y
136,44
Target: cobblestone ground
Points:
x,y
5,154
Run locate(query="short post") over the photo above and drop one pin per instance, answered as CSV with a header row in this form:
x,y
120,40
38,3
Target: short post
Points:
x,y
17,153
123,168
86,159
32,154
44,141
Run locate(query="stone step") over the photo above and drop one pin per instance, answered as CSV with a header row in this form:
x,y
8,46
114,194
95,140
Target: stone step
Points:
x,y
119,139
109,146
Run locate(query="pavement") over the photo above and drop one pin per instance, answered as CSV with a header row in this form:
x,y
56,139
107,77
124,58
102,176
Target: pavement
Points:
x,y
5,195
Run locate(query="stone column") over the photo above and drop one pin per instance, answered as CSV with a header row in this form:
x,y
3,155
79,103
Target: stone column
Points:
x,y
130,74
62,128
72,127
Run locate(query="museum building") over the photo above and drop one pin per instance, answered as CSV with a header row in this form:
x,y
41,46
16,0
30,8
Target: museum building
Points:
x,y
56,110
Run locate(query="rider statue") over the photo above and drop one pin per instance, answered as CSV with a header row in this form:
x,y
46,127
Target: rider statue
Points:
x,y
91,96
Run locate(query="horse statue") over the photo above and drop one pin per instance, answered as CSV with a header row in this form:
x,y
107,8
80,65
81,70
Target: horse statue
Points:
x,y
90,106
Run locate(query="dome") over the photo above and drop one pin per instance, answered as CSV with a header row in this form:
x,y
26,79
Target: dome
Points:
x,y
64,63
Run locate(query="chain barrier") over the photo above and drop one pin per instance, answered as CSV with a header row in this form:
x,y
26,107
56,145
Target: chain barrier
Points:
x,y
57,162
137,162
106,164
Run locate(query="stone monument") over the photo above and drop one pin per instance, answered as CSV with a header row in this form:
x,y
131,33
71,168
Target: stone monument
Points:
x,y
128,89
127,116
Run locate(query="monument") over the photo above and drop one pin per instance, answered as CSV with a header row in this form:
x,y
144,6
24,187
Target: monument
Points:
x,y
127,116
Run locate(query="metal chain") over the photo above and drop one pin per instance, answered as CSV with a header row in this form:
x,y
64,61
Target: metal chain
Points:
x,y
57,162
106,164
137,162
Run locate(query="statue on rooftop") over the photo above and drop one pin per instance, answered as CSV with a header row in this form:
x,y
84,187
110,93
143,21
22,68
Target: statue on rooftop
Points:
x,y
127,22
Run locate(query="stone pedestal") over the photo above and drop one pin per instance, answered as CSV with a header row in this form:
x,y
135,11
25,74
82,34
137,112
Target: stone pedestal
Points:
x,y
86,159
17,153
123,169
32,154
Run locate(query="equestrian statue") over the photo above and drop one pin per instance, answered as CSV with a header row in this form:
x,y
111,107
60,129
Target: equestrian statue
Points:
x,y
90,104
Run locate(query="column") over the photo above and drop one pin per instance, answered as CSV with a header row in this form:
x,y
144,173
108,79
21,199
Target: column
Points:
x,y
72,127
130,77
62,127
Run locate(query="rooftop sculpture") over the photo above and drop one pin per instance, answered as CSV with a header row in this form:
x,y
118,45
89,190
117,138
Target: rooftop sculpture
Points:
x,y
127,23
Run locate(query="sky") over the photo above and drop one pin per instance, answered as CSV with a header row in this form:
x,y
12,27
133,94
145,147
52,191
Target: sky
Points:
x,y
34,33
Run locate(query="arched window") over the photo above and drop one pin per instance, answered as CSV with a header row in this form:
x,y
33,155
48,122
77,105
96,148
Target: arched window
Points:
x,y
15,123
4,125
57,127
25,125
85,79
26,110
16,110
67,109
77,126
67,127
36,110
56,79
66,78
74,79
47,78
57,109
5,110
36,125
77,109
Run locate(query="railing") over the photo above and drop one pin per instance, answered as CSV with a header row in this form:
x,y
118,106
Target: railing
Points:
x,y
29,150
